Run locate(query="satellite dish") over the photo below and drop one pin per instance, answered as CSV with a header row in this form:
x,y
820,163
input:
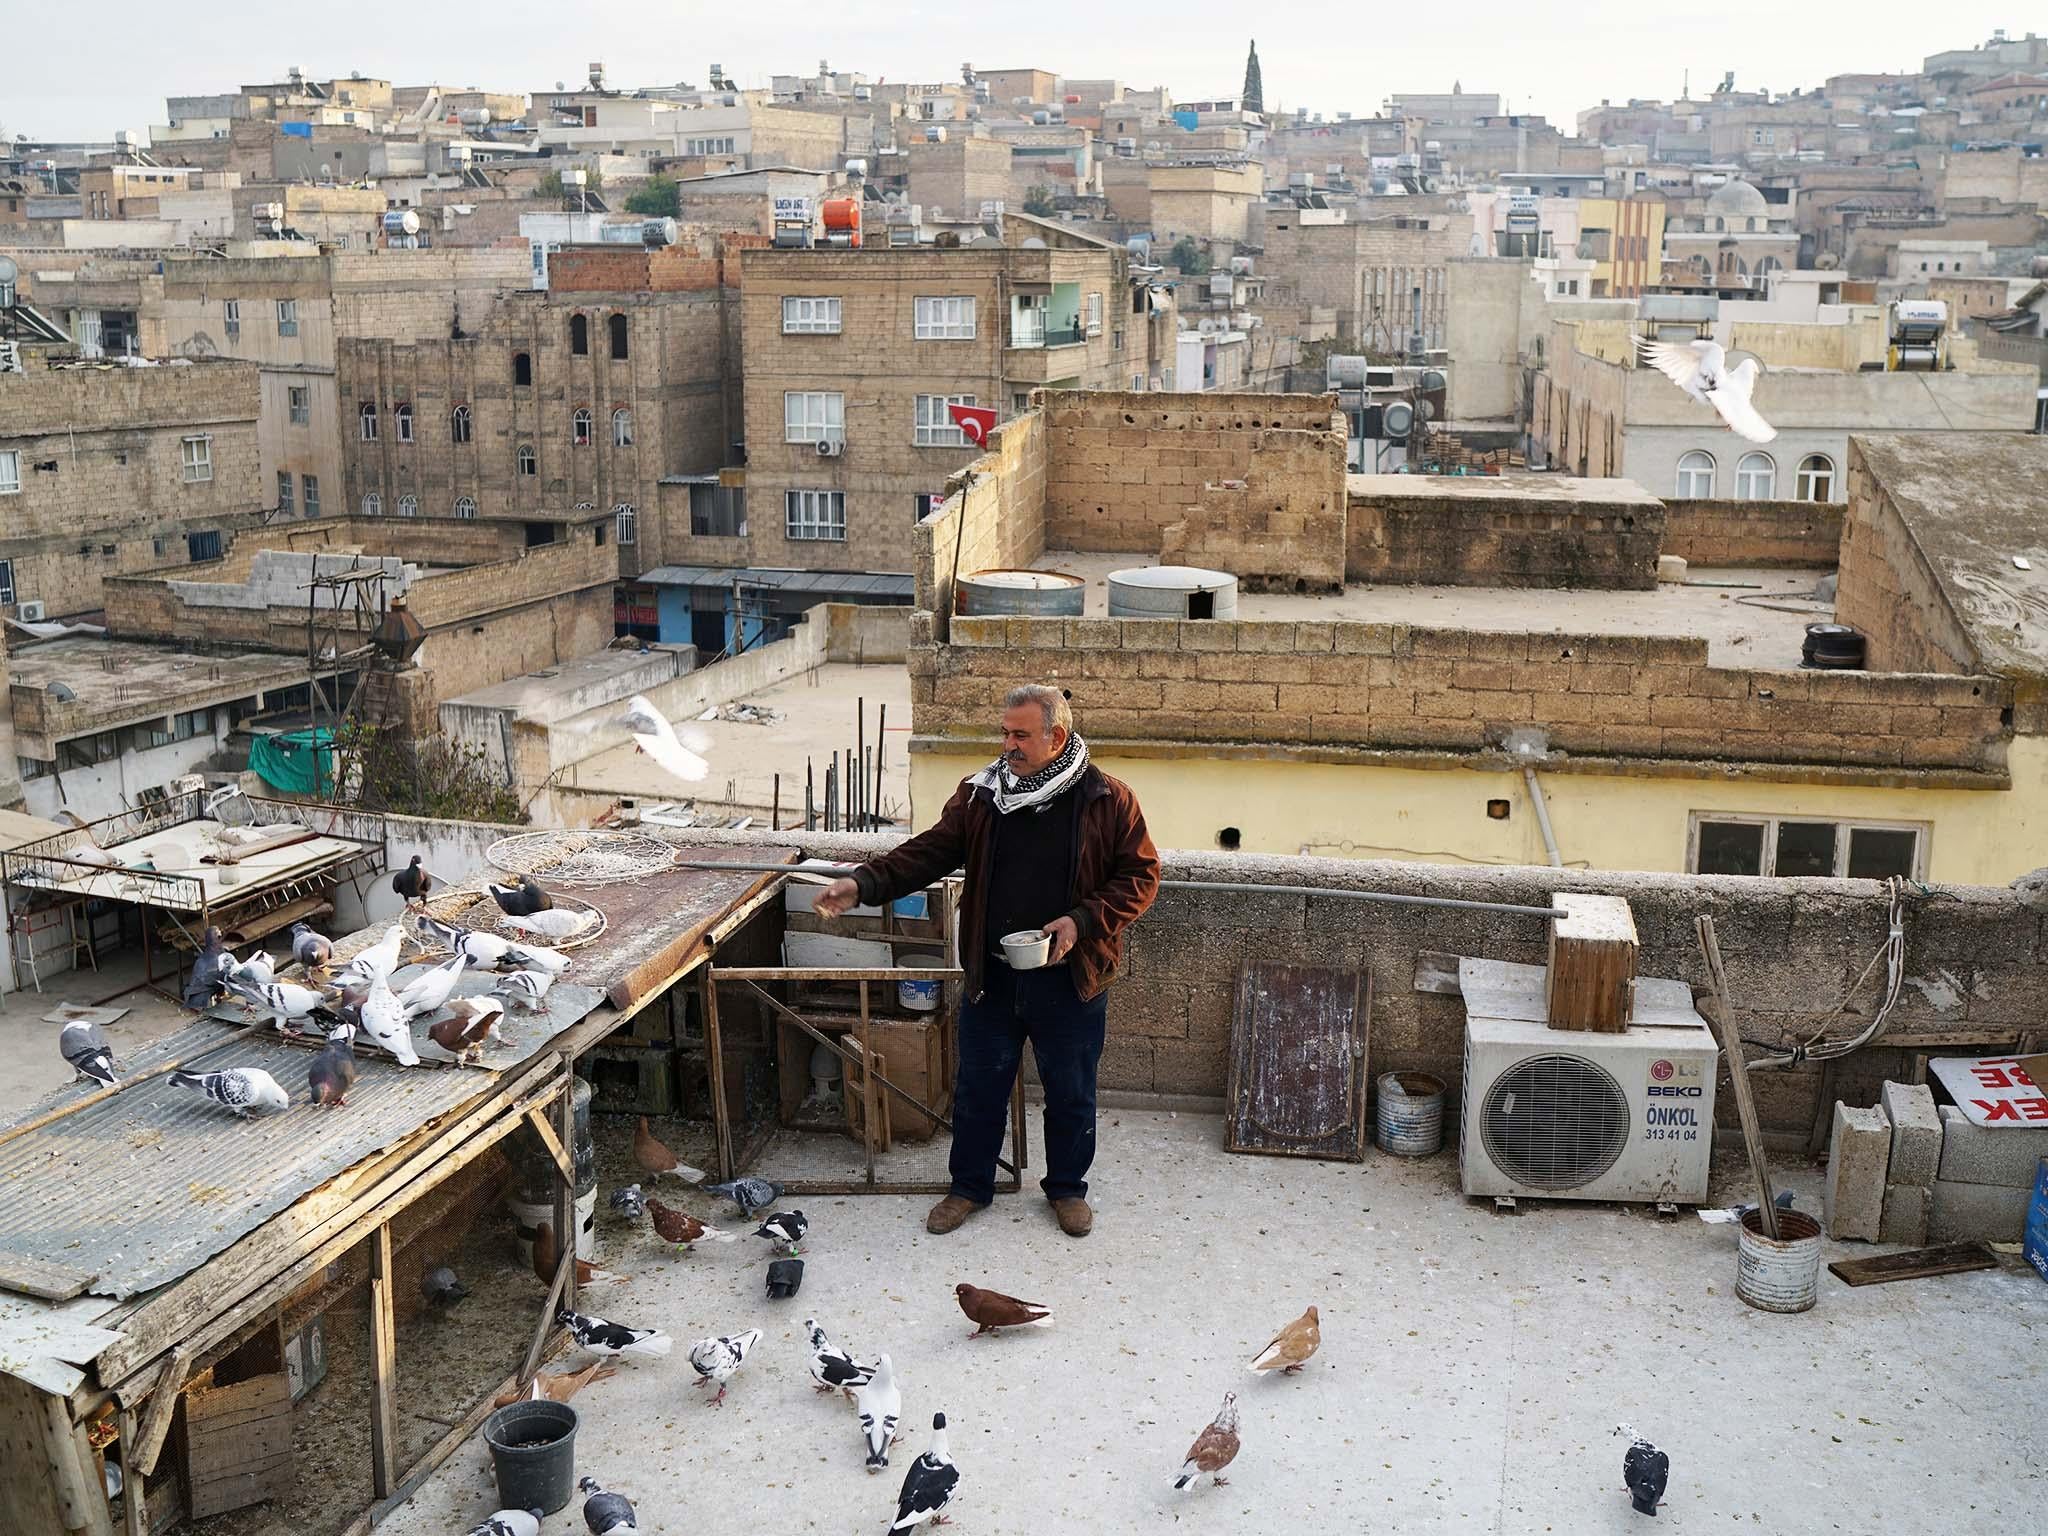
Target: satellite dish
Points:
x,y
1399,420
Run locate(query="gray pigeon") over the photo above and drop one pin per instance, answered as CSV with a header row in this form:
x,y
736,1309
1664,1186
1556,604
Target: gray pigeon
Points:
x,y
605,1512
749,1194
442,1286
209,971
84,1045
310,949
630,1202
240,1089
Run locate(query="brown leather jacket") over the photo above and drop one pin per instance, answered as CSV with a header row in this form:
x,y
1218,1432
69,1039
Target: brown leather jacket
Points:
x,y
1115,878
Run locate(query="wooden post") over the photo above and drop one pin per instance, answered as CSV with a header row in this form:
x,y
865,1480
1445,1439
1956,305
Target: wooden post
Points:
x,y
81,1497
1738,1077
867,1086
566,1235
163,1402
537,1120
1590,980
565,1266
714,1046
134,1481
383,1389
1017,1129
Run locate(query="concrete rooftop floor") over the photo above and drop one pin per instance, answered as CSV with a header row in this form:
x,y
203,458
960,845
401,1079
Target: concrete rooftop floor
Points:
x,y
1738,634
30,1066
1471,1371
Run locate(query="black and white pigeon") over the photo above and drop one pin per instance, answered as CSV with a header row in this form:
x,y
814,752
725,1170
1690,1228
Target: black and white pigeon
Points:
x,y
749,1194
287,1003
509,1522
606,1513
719,1359
84,1045
523,899
630,1202
533,957
784,1229
832,1368
879,1402
601,1337
485,950
310,949
241,1089
207,981
442,1286
929,1485
528,989
1644,1471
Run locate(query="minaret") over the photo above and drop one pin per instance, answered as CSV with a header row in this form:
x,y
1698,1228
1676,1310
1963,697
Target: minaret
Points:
x,y
1254,87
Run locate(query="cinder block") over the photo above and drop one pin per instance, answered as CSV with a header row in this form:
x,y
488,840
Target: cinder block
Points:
x,y
1858,1148
1984,1154
1905,1215
1916,1133
1961,1213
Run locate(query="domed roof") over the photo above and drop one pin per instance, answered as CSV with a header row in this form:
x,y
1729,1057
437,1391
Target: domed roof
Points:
x,y
1738,199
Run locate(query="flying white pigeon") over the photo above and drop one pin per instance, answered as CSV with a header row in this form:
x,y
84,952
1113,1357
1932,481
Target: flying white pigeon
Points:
x,y
554,925
653,735
84,1044
427,992
240,1089
601,1337
384,1020
832,1368
719,1360
879,1401
1700,368
286,1002
929,1485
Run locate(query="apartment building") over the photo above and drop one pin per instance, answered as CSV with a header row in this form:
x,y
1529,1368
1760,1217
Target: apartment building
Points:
x,y
1377,273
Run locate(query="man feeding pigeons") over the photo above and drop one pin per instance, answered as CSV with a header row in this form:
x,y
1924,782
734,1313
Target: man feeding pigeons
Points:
x,y
1058,864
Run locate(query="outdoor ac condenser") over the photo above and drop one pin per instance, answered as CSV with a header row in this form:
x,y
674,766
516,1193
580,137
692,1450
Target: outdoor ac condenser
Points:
x,y
1575,1115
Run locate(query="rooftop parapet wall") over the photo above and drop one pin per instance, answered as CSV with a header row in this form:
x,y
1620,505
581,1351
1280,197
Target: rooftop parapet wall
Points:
x,y
1504,531
1388,687
1759,534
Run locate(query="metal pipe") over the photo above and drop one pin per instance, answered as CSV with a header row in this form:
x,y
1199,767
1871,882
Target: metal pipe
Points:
x,y
1542,815
1390,897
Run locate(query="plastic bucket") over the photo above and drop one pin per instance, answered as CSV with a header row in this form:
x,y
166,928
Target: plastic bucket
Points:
x,y
920,996
1411,1114
533,1452
1782,1274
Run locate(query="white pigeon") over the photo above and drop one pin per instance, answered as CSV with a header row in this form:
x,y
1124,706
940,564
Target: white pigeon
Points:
x,y
241,1089
879,1401
426,993
384,1021
509,1522
1700,368
929,1485
529,989
255,970
832,1368
554,925
653,735
286,1002
534,957
719,1360
379,960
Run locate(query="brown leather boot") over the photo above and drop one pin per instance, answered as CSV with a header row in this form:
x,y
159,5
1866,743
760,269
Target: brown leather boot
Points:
x,y
1075,1219
949,1213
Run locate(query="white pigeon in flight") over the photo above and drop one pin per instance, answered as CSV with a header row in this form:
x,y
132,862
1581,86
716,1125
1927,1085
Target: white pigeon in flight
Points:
x,y
1700,368
654,735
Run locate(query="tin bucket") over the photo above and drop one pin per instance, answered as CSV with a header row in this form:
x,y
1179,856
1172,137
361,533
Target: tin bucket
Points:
x,y
1411,1114
920,996
1782,1274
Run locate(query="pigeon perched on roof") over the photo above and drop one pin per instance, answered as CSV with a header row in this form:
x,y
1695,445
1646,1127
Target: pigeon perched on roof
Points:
x,y
785,1278
929,1485
311,950
469,1022
879,1402
605,1513
1700,368
442,1286
991,1310
509,1522
413,882
1292,1346
529,989
1214,1449
832,1368
655,1159
523,899
749,1194
719,1359
377,1009
553,925
287,1003
428,991
255,970
84,1044
784,1230
206,983
683,1229
629,1201
533,957
331,1074
379,960
241,1089
654,736
1644,1471
604,1338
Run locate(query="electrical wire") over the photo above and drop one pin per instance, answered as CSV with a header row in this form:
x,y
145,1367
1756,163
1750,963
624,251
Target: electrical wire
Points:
x,y
1892,956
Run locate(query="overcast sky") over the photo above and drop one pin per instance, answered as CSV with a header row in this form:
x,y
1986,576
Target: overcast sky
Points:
x,y
114,70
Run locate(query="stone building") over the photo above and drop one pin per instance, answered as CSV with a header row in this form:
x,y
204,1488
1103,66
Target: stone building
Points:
x,y
1372,271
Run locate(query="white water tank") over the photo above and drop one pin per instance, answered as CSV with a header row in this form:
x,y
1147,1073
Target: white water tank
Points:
x,y
1032,594
1172,592
402,221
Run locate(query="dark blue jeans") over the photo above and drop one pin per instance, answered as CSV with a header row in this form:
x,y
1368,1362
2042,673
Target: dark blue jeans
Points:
x,y
1066,1041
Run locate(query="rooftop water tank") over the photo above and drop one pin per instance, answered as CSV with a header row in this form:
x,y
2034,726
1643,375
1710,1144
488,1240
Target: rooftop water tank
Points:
x,y
1172,592
1035,594
402,221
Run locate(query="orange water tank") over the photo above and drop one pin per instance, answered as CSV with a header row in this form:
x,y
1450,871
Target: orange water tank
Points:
x,y
842,220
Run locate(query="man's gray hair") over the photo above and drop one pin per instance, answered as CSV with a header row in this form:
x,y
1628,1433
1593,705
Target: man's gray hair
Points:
x,y
1057,711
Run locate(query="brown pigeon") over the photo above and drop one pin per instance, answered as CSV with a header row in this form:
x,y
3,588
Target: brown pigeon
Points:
x,y
558,1388
1215,1448
546,1256
992,1310
1291,1346
683,1229
655,1159
470,1022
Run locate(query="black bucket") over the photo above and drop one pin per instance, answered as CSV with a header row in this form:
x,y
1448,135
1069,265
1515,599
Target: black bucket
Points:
x,y
533,1451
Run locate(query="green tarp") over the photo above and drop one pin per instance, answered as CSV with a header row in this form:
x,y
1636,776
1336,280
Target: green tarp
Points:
x,y
299,762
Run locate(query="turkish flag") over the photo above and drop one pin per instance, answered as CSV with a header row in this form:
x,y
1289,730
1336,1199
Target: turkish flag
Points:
x,y
974,421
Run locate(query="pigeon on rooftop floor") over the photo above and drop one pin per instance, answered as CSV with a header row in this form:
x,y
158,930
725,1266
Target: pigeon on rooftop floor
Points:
x,y
534,957
785,1278
509,1522
207,981
630,1202
607,1514
749,1194
331,1074
442,1286
683,1229
655,1159
523,899
1214,1449
287,1003
470,1021
990,1310
1291,1346
529,989
84,1045
311,950
929,1485
879,1401
719,1359
1644,1471
832,1368
612,1339
784,1230
256,970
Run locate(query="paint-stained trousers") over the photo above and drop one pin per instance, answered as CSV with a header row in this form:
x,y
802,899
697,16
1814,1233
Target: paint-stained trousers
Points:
x,y
1066,1041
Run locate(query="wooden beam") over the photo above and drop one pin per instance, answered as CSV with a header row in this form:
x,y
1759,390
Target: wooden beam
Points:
x,y
867,1087
889,973
81,1499
163,1402
383,1349
564,1268
134,1481
567,1237
721,1123
1738,1078
28,1491
1589,982
1914,1264
35,1277
538,1120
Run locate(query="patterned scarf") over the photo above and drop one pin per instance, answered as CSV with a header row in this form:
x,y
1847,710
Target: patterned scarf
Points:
x,y
1035,791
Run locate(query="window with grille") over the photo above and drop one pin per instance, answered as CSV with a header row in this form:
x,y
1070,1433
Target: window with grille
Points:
x,y
309,489
459,424
814,515
299,402
579,429
718,512
180,727
1785,846
6,581
803,316
810,416
622,428
944,319
196,457
284,492
465,506
626,523
373,505
401,418
1094,314
408,505
935,427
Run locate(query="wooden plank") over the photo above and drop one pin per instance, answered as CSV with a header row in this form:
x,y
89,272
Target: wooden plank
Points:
x,y
887,973
28,1490
82,1498
134,1482
564,1268
537,1118
868,1128
163,1402
663,921
714,1046
35,1277
238,1444
1436,971
567,1238
1589,981
1296,1083
383,1365
1915,1264
1738,1077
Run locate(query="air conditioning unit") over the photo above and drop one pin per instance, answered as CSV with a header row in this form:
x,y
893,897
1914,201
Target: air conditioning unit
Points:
x,y
29,613
1576,1115
831,447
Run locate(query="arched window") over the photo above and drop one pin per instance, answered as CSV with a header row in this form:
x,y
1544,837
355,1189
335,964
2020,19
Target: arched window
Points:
x,y
366,418
402,415
1756,477
373,505
527,463
465,506
579,335
628,522
458,424
522,368
408,505
1816,478
618,325
622,428
1696,474
579,427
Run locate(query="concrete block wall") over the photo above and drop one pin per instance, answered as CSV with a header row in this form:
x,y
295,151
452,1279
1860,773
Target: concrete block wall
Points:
x,y
1393,687
993,518
1887,588
1915,1157
1768,534
1510,531
1279,527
